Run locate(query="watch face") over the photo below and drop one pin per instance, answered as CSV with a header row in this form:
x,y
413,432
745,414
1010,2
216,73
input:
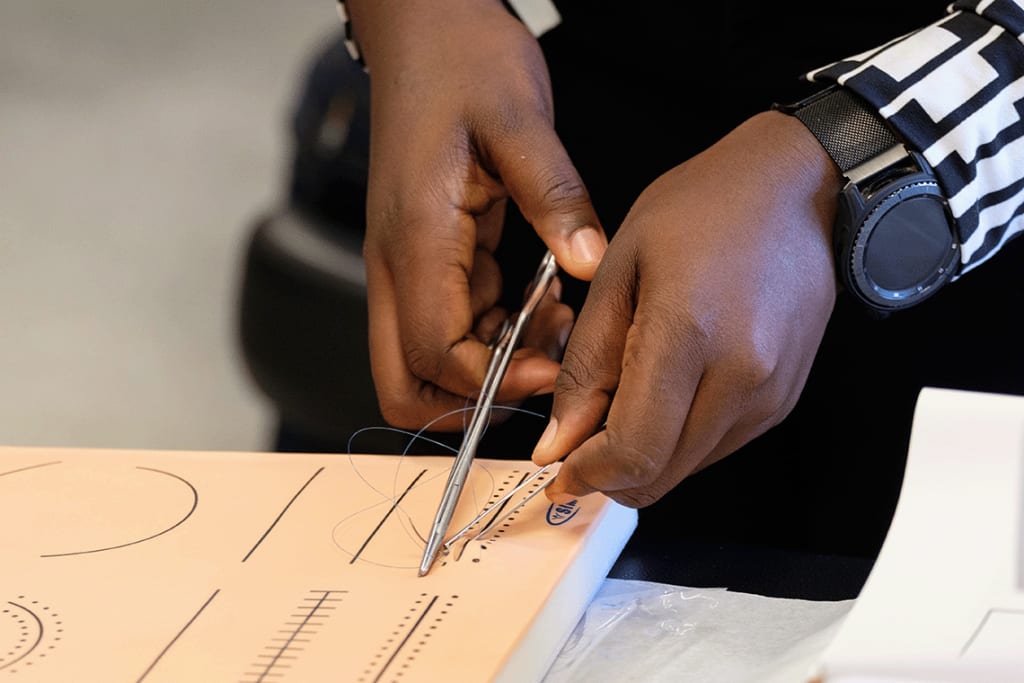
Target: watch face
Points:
x,y
909,245
900,245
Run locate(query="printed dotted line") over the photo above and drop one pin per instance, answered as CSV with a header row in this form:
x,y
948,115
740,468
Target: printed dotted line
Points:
x,y
402,636
18,652
495,534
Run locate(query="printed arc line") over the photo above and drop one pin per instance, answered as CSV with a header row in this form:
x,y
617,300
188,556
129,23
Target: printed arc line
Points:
x,y
178,635
405,640
285,646
195,502
39,637
31,467
394,506
279,516
981,625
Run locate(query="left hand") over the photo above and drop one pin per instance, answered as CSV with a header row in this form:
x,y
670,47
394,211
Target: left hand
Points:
x,y
462,123
703,319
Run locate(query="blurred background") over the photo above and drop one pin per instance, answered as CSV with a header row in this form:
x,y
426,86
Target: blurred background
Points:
x,y
138,140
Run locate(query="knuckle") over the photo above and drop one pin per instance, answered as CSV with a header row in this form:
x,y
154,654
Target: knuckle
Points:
x,y
648,494
775,403
579,375
633,499
426,347
637,467
393,415
563,192
523,103
756,377
560,189
674,325
397,411
661,328
757,370
423,363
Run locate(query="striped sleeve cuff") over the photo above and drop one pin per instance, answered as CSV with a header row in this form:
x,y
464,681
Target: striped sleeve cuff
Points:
x,y
955,91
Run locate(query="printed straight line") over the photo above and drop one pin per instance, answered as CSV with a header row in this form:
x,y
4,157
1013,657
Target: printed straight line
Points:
x,y
281,650
495,515
179,634
405,640
278,518
387,514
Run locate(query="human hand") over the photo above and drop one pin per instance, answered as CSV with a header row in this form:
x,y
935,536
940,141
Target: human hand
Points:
x,y
461,122
703,319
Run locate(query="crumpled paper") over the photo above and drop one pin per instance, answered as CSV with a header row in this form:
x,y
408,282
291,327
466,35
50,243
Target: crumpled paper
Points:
x,y
653,632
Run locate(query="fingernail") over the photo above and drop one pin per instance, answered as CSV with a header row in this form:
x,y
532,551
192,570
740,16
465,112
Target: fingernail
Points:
x,y
548,437
587,245
556,289
563,335
544,390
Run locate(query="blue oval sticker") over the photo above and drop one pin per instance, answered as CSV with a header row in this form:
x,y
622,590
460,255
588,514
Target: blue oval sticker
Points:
x,y
561,513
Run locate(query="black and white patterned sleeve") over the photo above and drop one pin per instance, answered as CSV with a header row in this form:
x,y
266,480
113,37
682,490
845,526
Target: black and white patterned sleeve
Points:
x,y
955,91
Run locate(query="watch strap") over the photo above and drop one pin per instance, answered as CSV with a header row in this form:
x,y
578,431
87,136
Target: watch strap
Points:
x,y
849,128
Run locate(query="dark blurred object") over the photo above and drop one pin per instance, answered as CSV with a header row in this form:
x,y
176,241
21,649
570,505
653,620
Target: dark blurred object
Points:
x,y
303,330
331,142
303,316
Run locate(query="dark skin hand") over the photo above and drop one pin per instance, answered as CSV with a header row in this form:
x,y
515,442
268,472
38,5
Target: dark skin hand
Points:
x,y
703,319
461,122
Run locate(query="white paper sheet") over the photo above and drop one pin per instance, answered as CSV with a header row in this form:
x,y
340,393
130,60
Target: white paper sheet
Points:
x,y
945,600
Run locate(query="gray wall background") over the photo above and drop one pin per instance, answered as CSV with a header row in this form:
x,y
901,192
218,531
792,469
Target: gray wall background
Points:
x,y
138,138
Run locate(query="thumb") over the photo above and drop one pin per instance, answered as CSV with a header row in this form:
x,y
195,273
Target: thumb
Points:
x,y
544,183
589,376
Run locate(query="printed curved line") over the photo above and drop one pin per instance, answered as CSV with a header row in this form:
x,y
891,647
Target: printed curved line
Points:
x,y
39,636
195,502
31,467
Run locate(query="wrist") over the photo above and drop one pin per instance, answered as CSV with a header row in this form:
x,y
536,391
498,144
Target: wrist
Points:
x,y
375,26
806,167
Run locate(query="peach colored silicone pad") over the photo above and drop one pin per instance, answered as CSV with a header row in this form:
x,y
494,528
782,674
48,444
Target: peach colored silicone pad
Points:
x,y
131,566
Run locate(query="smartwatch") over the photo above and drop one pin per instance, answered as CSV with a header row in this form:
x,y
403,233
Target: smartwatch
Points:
x,y
895,238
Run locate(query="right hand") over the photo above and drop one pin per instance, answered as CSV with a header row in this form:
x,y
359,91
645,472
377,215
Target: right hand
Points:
x,y
703,321
461,120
